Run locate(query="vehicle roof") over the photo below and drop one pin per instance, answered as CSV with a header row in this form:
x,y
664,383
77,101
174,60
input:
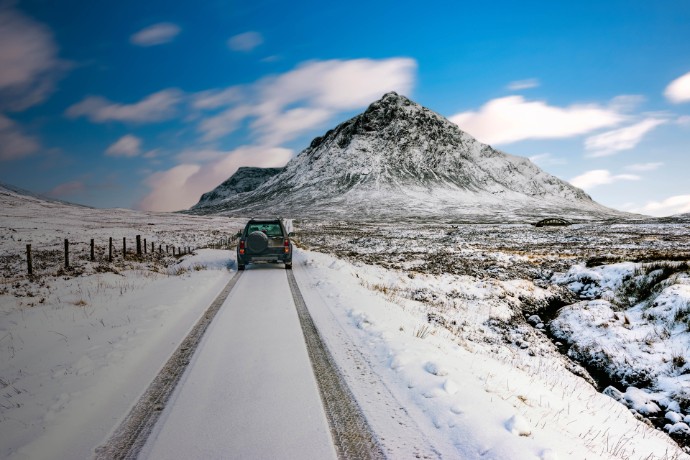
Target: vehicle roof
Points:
x,y
276,219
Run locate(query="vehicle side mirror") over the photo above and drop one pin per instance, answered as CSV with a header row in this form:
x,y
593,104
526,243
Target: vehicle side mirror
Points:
x,y
291,234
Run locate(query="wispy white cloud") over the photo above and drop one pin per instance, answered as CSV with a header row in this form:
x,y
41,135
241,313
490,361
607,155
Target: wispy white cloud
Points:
x,y
14,143
159,106
151,154
597,177
523,84
678,90
287,105
512,118
547,159
626,102
283,126
641,167
612,142
245,42
127,146
67,189
278,107
683,120
181,186
224,123
202,155
29,65
272,58
213,99
678,204
156,34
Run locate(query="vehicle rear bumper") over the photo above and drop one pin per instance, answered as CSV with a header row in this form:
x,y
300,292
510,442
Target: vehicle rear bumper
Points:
x,y
279,258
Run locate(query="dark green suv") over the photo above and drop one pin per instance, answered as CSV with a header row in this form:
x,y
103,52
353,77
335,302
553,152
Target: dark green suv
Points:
x,y
264,240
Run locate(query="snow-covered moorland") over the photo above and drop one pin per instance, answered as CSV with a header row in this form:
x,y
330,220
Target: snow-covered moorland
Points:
x,y
433,316
472,394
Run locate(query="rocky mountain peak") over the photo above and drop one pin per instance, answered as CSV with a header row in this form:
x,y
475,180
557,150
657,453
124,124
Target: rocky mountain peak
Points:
x,y
390,101
391,108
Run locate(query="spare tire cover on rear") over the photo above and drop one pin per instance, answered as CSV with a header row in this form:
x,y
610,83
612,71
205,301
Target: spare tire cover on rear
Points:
x,y
257,241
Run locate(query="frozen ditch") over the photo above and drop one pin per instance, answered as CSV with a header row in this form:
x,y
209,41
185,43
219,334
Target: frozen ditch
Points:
x,y
631,328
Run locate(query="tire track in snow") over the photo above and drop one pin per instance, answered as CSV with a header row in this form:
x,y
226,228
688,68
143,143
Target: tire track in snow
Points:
x,y
352,435
132,433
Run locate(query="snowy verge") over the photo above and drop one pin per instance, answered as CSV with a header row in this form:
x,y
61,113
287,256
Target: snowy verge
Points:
x,y
470,396
73,365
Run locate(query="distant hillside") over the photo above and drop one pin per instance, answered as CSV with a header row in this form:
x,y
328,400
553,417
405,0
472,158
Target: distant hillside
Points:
x,y
12,194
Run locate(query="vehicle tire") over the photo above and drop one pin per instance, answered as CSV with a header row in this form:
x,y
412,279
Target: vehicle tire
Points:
x,y
240,267
257,242
288,266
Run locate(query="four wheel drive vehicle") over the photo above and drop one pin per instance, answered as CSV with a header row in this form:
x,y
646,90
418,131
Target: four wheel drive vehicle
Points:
x,y
264,240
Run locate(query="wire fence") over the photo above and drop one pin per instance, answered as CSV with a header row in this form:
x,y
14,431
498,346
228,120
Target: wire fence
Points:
x,y
140,249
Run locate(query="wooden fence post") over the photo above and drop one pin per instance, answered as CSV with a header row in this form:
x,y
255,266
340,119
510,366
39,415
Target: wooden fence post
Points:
x,y
166,248
152,248
66,253
160,248
93,255
29,267
139,245
110,249
145,245
124,247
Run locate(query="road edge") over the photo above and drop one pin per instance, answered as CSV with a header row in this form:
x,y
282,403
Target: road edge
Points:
x,y
352,435
130,436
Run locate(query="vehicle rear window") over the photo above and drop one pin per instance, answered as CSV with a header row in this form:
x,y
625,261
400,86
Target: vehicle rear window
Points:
x,y
268,229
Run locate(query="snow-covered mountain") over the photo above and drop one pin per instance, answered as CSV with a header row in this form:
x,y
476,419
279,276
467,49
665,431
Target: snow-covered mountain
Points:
x,y
401,160
244,180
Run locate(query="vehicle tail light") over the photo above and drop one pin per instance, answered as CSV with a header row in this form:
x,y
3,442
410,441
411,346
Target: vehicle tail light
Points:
x,y
241,246
287,245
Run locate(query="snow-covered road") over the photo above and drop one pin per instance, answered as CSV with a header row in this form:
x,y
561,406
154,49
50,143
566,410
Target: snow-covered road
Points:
x,y
249,391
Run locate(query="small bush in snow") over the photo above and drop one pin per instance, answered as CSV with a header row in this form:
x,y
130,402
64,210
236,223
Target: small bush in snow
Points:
x,y
422,331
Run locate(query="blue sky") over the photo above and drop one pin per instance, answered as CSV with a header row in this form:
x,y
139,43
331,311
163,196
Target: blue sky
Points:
x,y
149,104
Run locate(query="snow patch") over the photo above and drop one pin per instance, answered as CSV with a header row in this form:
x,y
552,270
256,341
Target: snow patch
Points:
x,y
518,425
